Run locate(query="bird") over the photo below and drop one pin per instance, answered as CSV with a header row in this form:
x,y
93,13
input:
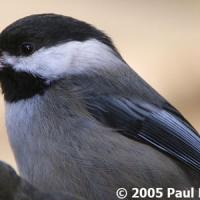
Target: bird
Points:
x,y
81,120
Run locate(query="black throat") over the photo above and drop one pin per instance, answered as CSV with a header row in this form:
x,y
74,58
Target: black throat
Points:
x,y
20,85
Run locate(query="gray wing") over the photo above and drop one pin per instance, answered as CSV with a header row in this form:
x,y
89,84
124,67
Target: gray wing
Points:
x,y
162,127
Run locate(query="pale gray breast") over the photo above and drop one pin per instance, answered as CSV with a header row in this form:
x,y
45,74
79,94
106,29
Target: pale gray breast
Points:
x,y
60,147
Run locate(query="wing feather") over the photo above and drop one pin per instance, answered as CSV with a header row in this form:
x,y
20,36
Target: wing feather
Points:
x,y
162,127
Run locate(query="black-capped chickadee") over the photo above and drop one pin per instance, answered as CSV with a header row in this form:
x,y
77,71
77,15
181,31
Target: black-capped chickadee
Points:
x,y
80,120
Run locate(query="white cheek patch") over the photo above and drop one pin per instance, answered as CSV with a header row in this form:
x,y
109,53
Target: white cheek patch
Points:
x,y
69,58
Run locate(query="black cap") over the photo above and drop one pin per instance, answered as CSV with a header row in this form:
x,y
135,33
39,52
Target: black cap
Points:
x,y
46,30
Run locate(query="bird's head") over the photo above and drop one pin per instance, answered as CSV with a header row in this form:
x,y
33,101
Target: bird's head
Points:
x,y
37,50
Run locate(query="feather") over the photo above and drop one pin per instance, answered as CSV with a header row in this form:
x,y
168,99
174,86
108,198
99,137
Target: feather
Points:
x,y
161,127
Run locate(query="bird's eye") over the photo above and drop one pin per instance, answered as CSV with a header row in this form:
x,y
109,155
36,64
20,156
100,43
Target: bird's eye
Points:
x,y
27,49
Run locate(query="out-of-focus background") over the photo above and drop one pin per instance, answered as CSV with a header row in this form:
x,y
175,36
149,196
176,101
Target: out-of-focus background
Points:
x,y
159,39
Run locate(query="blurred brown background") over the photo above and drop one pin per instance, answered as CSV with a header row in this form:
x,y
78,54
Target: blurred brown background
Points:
x,y
160,39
